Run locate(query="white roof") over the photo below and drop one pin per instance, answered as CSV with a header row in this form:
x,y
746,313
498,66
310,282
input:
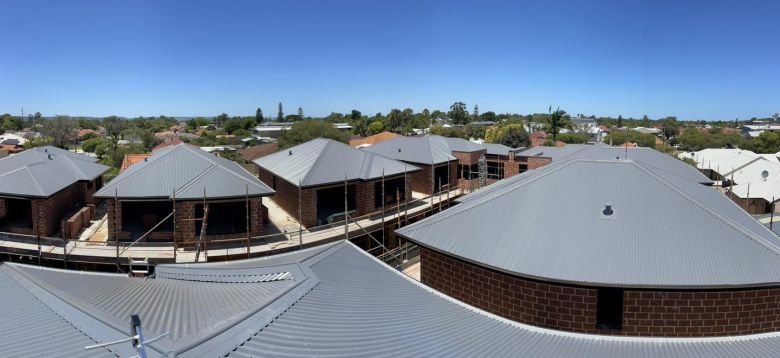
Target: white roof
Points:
x,y
726,160
5,136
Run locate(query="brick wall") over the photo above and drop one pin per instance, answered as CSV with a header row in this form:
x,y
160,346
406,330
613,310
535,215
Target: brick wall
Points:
x,y
422,181
573,308
185,226
49,212
2,208
536,303
87,189
537,162
469,158
701,313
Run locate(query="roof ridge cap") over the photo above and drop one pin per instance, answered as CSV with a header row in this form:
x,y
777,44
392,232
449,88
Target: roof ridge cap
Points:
x,y
744,231
465,206
325,148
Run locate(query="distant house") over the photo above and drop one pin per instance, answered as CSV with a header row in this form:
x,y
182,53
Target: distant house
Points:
x,y
272,129
141,199
310,181
131,159
40,186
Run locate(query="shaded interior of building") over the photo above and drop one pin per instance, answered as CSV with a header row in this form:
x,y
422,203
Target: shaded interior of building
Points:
x,y
138,217
17,215
394,190
330,204
440,178
223,218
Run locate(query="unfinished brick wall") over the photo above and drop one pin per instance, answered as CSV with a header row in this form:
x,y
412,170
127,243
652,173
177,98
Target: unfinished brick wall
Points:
x,y
185,226
536,303
2,208
87,189
48,212
702,313
573,308
538,162
422,181
469,158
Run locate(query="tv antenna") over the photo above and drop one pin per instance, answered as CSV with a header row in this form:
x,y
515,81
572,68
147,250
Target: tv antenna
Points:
x,y
137,338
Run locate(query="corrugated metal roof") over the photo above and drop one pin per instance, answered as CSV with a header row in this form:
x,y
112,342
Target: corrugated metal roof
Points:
x,y
426,150
647,156
189,171
347,303
665,231
362,308
462,145
30,328
325,161
43,171
498,149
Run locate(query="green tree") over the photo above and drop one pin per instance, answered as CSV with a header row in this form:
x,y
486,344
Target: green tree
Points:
x,y
61,130
259,115
114,126
620,121
556,121
620,137
452,132
304,131
355,115
693,139
573,138
280,113
511,135
474,131
458,113
767,142
670,127
475,114
376,127
488,116
220,120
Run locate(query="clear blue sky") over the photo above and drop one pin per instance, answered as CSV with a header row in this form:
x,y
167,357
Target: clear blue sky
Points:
x,y
693,59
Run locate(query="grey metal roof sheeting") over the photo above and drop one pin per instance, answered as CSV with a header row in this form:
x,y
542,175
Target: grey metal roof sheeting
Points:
x,y
29,328
43,171
325,161
346,304
462,145
427,150
647,156
498,149
665,231
187,170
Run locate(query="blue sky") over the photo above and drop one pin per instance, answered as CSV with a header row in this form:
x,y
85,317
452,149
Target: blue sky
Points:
x,y
693,59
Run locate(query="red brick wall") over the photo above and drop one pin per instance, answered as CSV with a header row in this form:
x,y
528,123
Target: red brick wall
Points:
x,y
701,313
185,226
538,162
421,181
49,212
2,208
87,189
469,158
571,308
539,304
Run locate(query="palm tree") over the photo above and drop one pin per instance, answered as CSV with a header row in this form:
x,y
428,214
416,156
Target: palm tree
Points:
x,y
556,121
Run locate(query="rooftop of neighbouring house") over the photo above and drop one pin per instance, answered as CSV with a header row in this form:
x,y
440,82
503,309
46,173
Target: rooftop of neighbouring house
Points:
x,y
607,223
184,172
43,171
325,161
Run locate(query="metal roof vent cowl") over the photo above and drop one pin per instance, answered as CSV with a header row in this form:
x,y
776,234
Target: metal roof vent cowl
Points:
x,y
289,152
608,212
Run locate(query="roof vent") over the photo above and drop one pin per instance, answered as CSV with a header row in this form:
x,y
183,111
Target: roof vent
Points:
x,y
145,158
49,156
46,150
764,174
617,158
399,150
289,153
608,210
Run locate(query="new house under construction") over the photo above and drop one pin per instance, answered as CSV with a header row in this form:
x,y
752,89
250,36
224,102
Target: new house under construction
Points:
x,y
213,198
